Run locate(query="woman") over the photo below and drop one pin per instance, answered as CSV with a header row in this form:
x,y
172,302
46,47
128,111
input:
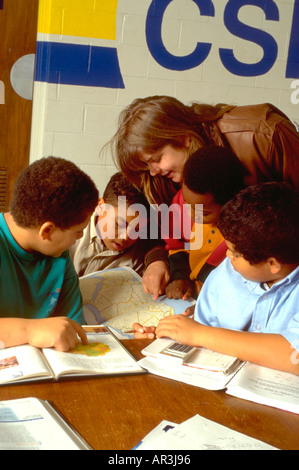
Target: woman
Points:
x,y
157,134
261,136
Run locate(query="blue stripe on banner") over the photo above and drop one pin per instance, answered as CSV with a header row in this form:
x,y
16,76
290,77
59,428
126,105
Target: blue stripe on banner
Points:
x,y
71,64
1,4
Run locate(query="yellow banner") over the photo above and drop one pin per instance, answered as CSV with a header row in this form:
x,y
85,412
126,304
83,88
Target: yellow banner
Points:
x,y
88,18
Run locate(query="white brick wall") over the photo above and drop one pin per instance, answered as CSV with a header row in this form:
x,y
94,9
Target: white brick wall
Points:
x,y
75,122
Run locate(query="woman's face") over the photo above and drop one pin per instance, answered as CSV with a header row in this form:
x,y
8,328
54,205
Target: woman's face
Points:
x,y
168,162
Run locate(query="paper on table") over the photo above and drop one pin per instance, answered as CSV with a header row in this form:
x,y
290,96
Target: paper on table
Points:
x,y
157,432
116,297
32,424
188,375
199,433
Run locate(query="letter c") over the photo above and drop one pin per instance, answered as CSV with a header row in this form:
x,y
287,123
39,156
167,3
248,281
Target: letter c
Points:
x,y
154,37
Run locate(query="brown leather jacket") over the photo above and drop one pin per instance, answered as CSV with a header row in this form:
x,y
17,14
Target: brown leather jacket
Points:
x,y
264,139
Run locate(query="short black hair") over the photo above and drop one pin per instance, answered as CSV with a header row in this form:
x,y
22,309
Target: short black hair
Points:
x,y
117,186
53,189
262,222
215,170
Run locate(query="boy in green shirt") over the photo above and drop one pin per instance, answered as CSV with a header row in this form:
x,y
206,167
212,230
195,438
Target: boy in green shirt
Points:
x,y
40,299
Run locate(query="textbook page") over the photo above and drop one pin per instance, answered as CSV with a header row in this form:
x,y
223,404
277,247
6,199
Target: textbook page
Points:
x,y
103,355
22,363
115,297
204,369
187,375
156,433
267,387
202,359
199,433
32,424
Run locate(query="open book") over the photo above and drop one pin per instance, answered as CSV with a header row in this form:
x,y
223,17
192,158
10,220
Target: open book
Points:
x,y
33,424
104,355
115,297
266,386
213,371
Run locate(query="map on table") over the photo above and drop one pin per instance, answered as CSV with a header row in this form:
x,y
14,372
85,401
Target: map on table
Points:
x,y
115,297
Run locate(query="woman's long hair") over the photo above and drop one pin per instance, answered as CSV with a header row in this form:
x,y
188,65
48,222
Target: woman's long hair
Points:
x,y
148,125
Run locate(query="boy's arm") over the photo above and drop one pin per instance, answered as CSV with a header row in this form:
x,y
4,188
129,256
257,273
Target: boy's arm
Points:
x,y
59,332
70,302
268,350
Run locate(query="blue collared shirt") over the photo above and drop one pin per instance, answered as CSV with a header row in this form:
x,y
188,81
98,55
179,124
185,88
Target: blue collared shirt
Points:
x,y
227,300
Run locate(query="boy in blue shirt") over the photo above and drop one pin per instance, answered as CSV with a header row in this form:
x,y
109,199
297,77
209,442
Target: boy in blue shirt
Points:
x,y
249,306
40,299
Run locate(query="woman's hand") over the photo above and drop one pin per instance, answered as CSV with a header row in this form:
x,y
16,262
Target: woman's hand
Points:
x,y
155,278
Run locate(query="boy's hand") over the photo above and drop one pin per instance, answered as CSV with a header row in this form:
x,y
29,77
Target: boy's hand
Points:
x,y
60,333
189,312
150,331
180,289
155,278
143,331
179,328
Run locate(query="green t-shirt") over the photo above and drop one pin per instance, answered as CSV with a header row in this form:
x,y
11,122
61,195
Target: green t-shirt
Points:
x,y
33,285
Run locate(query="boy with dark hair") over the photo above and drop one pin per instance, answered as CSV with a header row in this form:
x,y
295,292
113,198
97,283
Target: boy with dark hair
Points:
x,y
248,307
40,300
112,238
119,186
262,222
214,170
211,177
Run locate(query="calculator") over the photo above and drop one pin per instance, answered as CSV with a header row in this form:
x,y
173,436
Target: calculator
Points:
x,y
177,352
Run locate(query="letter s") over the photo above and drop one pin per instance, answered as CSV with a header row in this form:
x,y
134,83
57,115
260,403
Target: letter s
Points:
x,y
249,33
154,37
293,58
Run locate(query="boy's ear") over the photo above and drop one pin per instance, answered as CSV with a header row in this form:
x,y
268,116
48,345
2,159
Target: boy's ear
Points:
x,y
46,230
274,265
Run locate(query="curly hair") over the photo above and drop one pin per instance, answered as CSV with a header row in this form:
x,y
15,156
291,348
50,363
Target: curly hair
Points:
x,y
53,189
215,170
261,221
117,186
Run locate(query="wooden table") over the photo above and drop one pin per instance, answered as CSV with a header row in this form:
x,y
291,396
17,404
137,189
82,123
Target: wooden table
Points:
x,y
115,413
